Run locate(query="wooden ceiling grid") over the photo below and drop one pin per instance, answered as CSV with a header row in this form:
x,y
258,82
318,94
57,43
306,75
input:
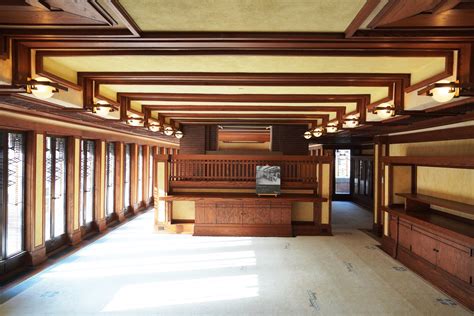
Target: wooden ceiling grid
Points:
x,y
399,28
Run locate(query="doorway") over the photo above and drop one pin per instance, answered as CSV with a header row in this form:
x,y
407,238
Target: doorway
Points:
x,y
342,174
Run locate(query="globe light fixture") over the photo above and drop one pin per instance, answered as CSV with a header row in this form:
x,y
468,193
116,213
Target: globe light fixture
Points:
x,y
332,128
178,134
102,108
168,131
351,122
41,88
154,127
307,134
444,93
384,110
134,121
318,132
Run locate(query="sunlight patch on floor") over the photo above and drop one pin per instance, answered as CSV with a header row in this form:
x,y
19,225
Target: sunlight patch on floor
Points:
x,y
156,294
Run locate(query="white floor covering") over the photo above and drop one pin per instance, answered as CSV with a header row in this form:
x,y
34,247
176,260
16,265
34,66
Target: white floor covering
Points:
x,y
134,271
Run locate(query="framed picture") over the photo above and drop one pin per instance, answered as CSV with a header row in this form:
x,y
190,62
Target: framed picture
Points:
x,y
268,179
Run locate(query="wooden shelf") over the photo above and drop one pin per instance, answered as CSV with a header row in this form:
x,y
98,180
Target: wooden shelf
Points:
x,y
460,209
437,161
241,197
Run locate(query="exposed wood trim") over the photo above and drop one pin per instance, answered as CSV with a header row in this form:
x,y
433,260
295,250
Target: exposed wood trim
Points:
x,y
363,14
465,132
125,17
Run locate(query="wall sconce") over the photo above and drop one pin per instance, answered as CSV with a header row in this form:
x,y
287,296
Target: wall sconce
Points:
x,y
307,134
102,108
178,134
168,131
134,121
384,110
331,128
318,132
351,122
43,88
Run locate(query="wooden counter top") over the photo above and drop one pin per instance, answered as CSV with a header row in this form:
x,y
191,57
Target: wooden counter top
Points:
x,y
242,197
445,224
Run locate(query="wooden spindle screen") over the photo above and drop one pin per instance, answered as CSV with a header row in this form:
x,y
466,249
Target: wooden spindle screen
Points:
x,y
300,170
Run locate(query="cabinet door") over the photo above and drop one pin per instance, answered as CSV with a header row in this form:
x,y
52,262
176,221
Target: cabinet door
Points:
x,y
423,245
249,213
210,214
228,214
404,234
455,260
276,216
263,215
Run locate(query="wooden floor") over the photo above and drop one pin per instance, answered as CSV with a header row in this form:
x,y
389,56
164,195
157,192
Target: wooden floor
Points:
x,y
134,271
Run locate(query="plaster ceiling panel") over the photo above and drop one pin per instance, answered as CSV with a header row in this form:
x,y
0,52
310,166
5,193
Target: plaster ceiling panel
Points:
x,y
243,15
376,93
350,107
420,68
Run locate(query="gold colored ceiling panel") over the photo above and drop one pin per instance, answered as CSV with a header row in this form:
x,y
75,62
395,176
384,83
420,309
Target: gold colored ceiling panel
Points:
x,y
243,15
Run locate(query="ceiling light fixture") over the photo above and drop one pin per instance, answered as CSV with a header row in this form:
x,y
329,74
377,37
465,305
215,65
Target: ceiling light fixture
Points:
x,y
384,110
178,134
351,122
134,121
318,132
168,131
43,88
331,128
102,108
154,127
444,91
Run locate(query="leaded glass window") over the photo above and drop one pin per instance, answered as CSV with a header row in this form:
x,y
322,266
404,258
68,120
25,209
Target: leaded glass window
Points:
x,y
110,174
12,192
87,182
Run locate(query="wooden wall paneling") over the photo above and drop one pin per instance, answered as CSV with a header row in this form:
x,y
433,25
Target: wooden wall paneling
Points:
x,y
34,219
72,190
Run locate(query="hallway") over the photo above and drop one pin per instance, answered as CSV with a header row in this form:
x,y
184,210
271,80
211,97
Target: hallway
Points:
x,y
133,271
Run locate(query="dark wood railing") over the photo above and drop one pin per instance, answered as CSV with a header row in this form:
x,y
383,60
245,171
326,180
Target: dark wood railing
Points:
x,y
240,171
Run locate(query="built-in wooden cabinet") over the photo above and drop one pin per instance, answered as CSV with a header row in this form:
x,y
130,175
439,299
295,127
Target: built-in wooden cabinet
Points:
x,y
430,235
247,217
438,246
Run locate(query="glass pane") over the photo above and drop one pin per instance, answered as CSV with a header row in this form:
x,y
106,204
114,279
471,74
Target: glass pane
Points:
x,y
126,187
48,188
81,186
89,182
110,173
140,174
343,171
60,188
15,204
